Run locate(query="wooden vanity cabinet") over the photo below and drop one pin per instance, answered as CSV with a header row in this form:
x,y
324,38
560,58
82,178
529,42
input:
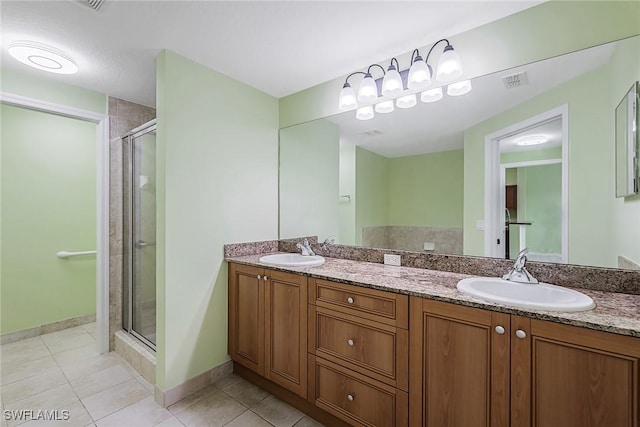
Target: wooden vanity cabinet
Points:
x,y
473,367
268,324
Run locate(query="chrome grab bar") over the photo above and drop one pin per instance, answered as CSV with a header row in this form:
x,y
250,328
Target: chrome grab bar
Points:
x,y
65,254
143,244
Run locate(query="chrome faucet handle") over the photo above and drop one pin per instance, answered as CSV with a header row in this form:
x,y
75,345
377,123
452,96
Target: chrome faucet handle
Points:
x,y
306,248
329,240
521,259
519,273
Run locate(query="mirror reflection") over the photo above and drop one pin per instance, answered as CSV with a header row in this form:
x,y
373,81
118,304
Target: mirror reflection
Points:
x,y
526,159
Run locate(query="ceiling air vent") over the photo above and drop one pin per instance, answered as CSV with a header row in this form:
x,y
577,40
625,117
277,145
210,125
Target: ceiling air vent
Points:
x,y
371,133
93,4
515,80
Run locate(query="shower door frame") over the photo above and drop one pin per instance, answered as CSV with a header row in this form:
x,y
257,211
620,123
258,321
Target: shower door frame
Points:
x,y
143,129
102,199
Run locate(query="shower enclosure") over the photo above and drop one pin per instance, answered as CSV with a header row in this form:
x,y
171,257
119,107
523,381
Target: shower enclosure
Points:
x,y
139,231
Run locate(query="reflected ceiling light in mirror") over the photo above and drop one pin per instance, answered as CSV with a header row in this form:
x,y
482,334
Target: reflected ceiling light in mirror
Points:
x,y
459,88
532,140
407,101
365,113
384,107
43,57
402,84
431,95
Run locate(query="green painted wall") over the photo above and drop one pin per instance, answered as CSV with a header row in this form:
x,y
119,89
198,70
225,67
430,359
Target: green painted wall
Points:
x,y
590,166
48,205
309,180
625,69
514,40
542,189
427,190
372,191
18,83
529,156
217,158
347,205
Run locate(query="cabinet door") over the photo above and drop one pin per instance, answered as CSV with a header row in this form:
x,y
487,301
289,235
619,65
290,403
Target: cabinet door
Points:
x,y
286,331
459,369
246,316
582,377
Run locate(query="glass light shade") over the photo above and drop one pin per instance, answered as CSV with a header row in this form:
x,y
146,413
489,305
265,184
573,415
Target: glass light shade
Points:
x,y
449,65
365,113
368,90
419,75
459,88
384,107
43,57
392,83
406,101
347,99
532,140
431,95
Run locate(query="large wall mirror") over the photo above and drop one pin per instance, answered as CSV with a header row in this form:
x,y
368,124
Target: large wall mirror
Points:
x,y
527,158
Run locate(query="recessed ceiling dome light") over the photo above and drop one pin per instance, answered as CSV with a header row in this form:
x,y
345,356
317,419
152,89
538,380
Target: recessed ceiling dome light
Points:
x,y
43,57
532,140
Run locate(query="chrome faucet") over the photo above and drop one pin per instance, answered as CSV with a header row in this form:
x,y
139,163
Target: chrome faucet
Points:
x,y
519,273
305,248
328,241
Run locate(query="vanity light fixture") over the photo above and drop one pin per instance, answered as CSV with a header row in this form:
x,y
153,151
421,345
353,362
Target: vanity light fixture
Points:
x,y
43,57
532,140
402,85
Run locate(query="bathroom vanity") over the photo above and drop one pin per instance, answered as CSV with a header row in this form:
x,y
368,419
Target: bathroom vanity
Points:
x,y
371,345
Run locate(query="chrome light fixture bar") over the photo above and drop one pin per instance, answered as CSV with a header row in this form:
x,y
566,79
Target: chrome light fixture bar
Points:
x,y
402,85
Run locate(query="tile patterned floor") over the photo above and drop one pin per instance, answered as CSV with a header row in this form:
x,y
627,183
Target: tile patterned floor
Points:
x,y
62,371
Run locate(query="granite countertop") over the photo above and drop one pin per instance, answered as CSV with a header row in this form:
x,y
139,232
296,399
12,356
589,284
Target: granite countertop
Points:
x,y
614,312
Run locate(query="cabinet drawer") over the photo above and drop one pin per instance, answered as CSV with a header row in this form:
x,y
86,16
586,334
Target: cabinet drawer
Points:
x,y
380,306
377,350
356,399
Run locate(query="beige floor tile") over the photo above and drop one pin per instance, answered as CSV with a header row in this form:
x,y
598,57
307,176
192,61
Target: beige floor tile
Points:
x,y
12,372
71,356
171,422
101,380
307,421
246,393
225,382
23,351
115,398
90,328
248,419
67,339
144,413
277,412
78,417
193,398
217,409
54,398
145,383
50,378
85,367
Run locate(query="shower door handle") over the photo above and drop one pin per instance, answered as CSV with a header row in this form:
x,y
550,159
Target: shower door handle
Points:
x,y
141,244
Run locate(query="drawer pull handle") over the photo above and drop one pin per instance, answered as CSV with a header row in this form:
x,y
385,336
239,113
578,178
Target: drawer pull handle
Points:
x,y
264,278
499,330
350,397
350,300
521,334
259,277
350,342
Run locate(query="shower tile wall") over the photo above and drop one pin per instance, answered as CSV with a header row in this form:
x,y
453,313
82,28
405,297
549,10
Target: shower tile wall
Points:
x,y
123,117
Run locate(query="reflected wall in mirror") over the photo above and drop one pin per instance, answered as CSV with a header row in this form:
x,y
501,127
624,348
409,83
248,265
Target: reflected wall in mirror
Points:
x,y
415,179
627,143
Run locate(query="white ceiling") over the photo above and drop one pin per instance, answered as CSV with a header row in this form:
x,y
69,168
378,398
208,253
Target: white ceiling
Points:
x,y
279,47
440,126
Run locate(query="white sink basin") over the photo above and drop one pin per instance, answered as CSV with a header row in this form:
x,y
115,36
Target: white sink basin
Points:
x,y
541,296
292,260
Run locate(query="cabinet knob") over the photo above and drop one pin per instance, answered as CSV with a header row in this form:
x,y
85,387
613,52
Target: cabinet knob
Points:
x,y
350,397
521,334
499,330
259,277
350,342
350,300
264,278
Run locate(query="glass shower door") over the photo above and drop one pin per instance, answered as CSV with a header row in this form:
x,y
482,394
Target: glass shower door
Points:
x,y
142,267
